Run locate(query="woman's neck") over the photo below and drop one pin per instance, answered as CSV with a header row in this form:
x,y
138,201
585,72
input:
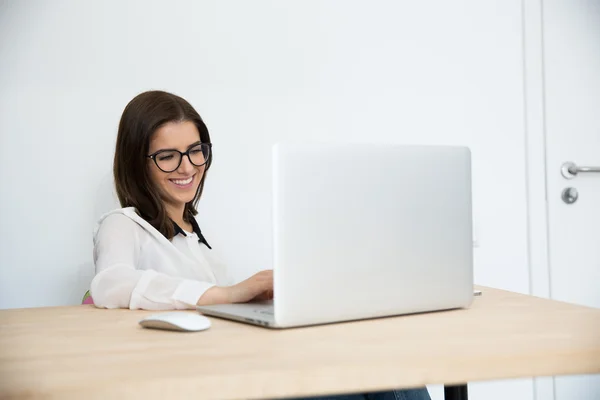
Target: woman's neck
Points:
x,y
175,212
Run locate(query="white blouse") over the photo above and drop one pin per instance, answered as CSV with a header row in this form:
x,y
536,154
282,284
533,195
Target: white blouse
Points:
x,y
139,268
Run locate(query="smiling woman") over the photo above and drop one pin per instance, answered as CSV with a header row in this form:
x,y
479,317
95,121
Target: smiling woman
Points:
x,y
151,253
154,126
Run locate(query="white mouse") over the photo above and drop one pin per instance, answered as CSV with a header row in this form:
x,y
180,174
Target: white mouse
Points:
x,y
176,321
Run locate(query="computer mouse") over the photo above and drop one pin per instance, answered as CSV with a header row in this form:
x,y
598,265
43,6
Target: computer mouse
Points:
x,y
176,321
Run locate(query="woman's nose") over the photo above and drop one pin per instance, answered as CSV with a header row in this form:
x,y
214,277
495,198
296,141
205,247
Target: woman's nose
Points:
x,y
186,166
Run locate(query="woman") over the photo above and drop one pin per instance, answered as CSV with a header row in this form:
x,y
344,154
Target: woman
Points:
x,y
151,254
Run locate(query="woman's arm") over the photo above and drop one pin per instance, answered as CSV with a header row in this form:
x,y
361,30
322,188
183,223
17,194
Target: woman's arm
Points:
x,y
118,284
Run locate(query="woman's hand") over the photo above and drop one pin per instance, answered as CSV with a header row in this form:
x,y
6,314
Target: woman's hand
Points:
x,y
257,287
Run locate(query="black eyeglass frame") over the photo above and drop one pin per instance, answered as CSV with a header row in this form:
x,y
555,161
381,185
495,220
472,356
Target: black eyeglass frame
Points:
x,y
187,153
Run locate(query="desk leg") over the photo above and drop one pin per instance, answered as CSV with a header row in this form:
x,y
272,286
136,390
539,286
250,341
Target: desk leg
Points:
x,y
458,392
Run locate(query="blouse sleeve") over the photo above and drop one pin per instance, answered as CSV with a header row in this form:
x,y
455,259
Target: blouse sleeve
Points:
x,y
119,284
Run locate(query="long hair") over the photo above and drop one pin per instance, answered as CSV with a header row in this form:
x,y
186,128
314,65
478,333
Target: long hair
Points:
x,y
144,114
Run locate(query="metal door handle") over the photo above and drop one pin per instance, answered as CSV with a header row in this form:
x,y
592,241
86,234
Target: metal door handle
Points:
x,y
570,169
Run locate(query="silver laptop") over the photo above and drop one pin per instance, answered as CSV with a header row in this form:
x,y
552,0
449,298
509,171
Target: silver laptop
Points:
x,y
365,231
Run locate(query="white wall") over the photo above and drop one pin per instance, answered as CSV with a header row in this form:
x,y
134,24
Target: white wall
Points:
x,y
258,72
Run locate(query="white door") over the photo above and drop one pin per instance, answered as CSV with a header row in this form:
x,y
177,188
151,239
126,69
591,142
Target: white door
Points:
x,y
571,35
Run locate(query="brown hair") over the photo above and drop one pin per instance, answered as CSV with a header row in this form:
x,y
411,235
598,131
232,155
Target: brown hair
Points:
x,y
144,114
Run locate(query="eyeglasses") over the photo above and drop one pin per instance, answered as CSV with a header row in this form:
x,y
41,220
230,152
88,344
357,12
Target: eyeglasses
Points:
x,y
170,160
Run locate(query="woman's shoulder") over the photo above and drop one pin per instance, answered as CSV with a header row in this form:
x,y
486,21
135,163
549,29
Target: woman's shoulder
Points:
x,y
124,221
120,214
118,219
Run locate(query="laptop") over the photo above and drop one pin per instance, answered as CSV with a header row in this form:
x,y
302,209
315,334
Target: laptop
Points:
x,y
365,231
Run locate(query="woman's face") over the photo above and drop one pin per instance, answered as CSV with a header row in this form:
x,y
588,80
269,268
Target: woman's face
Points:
x,y
179,186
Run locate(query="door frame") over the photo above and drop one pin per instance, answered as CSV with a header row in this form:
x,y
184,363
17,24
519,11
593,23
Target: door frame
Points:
x,y
534,123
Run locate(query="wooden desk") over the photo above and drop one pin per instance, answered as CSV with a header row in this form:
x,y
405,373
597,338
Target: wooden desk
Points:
x,y
86,353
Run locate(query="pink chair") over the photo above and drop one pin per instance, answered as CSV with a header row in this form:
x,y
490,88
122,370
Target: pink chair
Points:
x,y
87,298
